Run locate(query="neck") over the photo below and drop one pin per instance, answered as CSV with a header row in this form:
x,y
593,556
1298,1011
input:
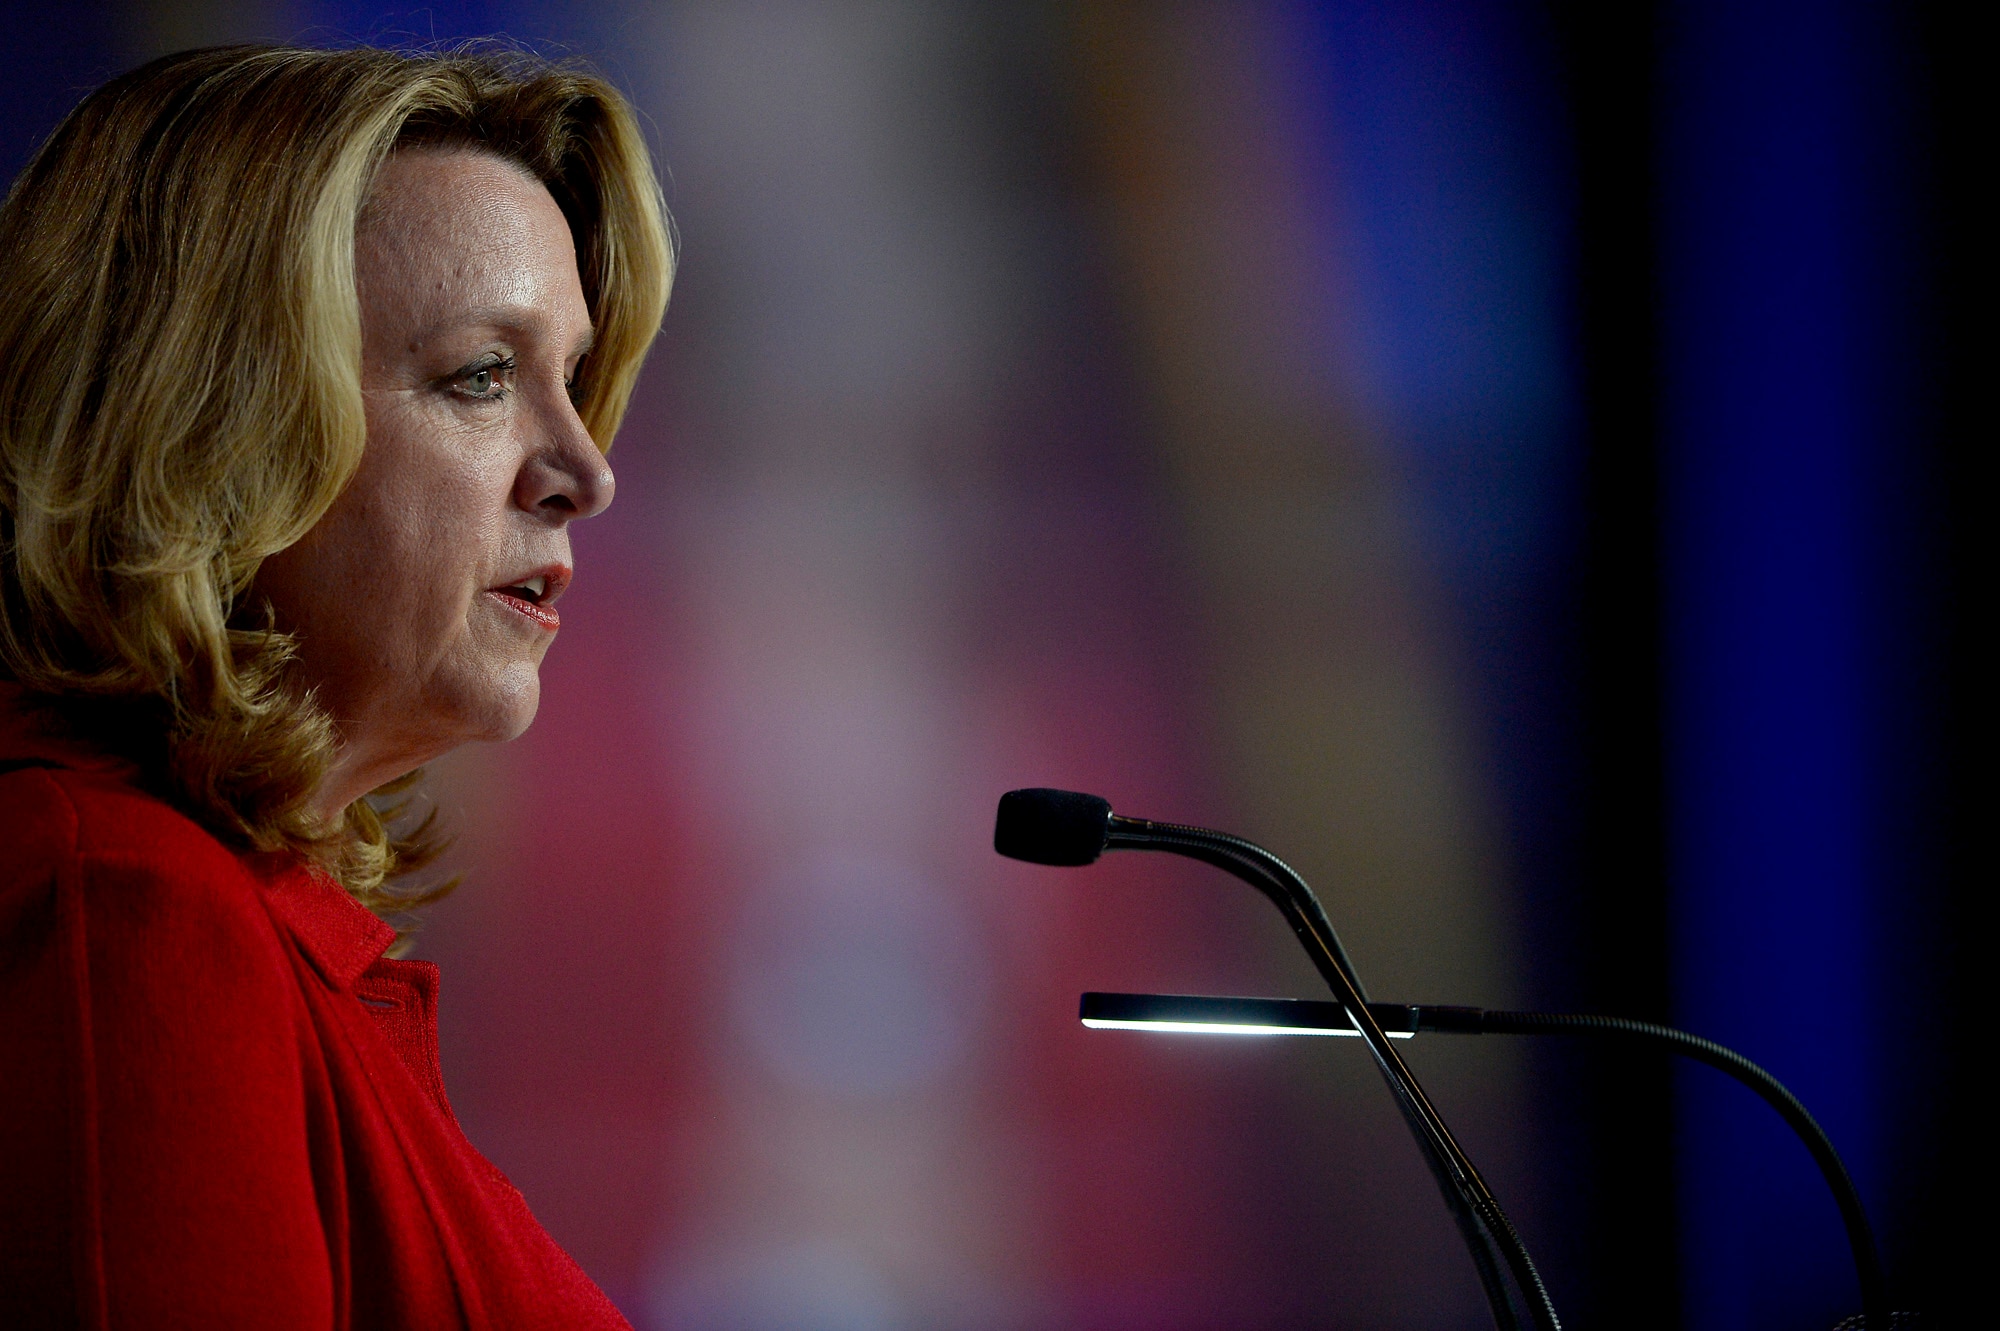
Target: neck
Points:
x,y
356,771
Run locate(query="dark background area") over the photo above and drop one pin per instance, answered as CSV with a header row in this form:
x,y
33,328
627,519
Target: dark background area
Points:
x,y
1610,64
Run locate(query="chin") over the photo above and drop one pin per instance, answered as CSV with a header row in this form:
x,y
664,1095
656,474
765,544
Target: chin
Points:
x,y
506,708
518,707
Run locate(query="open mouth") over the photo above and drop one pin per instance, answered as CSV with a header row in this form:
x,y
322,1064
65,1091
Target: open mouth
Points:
x,y
532,591
530,598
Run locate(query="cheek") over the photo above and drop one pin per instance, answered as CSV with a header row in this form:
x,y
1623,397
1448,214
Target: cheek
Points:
x,y
431,503
394,566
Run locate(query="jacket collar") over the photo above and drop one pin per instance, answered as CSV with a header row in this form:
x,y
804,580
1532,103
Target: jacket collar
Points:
x,y
340,936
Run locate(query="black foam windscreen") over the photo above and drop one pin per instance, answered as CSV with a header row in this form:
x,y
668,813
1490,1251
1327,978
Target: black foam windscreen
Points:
x,y
1059,827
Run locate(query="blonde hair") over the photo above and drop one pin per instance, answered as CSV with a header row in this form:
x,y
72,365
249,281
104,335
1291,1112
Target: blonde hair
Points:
x,y
180,396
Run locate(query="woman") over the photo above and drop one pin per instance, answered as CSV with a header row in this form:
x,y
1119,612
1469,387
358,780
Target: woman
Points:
x,y
307,362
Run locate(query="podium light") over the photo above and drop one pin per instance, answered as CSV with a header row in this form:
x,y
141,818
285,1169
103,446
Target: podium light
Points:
x,y
1189,1014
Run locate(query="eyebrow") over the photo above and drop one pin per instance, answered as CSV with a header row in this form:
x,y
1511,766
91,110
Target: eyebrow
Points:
x,y
503,318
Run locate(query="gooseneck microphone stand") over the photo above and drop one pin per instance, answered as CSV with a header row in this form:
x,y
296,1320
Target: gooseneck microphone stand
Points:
x,y
1063,828
1853,1217
1403,1021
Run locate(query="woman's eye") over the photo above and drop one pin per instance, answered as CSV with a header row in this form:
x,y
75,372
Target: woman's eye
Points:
x,y
486,383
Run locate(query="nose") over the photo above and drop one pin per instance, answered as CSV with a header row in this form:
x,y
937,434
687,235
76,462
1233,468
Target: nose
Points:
x,y
566,477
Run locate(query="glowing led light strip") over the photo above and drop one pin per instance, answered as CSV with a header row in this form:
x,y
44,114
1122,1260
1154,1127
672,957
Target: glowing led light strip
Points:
x,y
1225,1028
1190,1014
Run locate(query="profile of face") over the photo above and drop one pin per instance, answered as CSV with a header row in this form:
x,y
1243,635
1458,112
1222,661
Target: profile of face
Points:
x,y
424,600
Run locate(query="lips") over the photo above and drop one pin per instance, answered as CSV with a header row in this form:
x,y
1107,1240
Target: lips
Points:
x,y
533,596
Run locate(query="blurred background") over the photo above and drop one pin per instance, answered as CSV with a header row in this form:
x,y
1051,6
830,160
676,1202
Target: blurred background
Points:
x,y
1511,458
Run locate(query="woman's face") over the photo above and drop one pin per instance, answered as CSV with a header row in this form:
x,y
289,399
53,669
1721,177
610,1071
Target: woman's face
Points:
x,y
424,600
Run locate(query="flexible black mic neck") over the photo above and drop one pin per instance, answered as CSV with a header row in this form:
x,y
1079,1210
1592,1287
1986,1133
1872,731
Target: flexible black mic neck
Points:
x,y
1068,829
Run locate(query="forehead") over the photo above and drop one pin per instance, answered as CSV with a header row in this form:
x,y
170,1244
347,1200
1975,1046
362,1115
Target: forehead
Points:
x,y
459,229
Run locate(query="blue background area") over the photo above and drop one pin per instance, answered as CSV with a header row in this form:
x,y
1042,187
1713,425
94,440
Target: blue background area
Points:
x,y
1791,528
1441,125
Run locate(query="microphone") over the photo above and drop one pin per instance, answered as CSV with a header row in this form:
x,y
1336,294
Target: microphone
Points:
x,y
1060,828
1066,829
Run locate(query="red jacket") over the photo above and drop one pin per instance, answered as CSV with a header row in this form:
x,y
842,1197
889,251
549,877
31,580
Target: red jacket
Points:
x,y
219,1103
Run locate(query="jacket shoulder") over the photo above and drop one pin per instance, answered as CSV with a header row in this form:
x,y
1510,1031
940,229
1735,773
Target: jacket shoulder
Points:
x,y
158,1059
136,860
116,820
38,819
